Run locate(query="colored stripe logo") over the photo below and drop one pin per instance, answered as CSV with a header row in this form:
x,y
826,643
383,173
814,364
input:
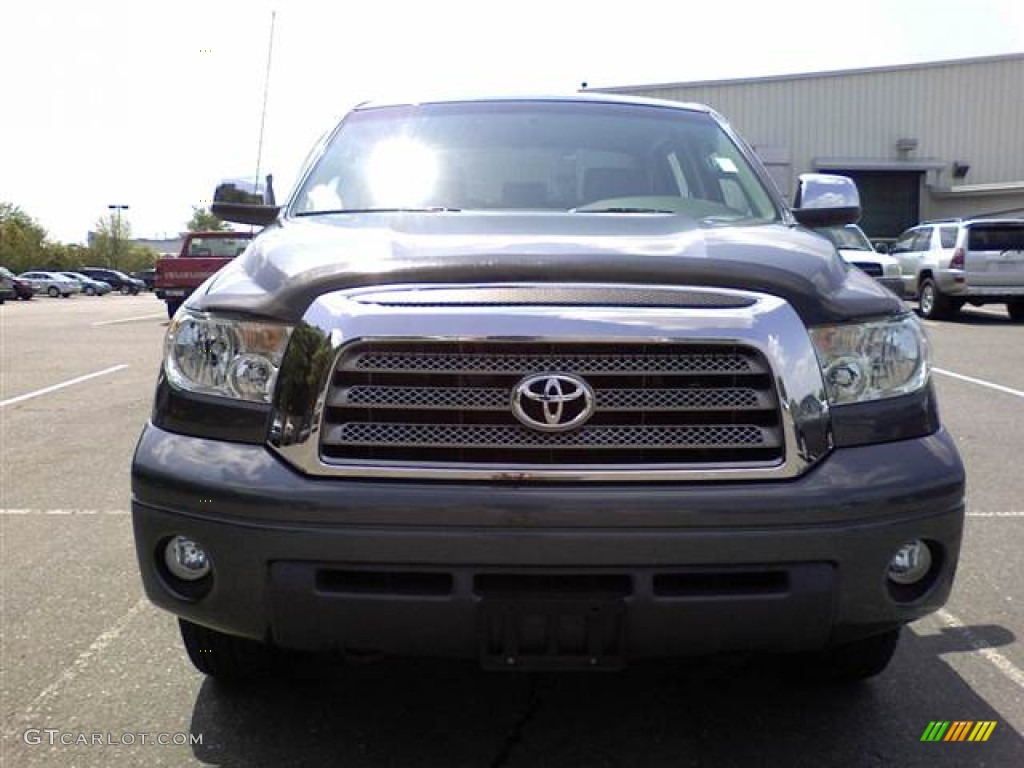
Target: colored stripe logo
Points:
x,y
958,730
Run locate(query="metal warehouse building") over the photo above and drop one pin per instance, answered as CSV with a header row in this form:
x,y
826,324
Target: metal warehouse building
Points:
x,y
923,141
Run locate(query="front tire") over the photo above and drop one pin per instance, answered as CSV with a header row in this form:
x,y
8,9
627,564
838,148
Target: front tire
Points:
x,y
226,658
90,291
1015,309
934,304
53,292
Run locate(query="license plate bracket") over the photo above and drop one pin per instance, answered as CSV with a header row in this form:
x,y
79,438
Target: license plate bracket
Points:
x,y
549,634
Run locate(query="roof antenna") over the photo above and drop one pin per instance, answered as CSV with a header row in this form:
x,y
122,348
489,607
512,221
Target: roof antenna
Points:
x,y
266,92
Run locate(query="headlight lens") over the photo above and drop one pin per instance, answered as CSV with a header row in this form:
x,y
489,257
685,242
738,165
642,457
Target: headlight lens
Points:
x,y
871,361
224,357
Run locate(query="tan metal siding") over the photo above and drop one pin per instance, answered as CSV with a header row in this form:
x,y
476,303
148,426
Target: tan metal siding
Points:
x,y
970,111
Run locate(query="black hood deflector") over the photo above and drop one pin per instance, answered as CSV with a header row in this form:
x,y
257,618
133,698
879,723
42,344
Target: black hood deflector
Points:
x,y
293,262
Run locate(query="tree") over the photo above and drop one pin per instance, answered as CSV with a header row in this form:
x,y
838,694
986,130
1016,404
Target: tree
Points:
x,y
22,239
137,257
204,221
110,242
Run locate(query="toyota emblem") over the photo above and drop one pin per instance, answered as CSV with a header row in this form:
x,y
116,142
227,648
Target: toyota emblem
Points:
x,y
553,402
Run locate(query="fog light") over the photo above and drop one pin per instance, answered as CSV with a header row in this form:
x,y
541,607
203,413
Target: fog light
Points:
x,y
911,563
186,559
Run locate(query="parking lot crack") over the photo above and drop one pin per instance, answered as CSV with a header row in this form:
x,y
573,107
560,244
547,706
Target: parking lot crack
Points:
x,y
515,733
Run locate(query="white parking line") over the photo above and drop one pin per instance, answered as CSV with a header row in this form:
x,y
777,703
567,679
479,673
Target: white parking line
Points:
x,y
1007,668
15,512
979,382
72,671
131,319
55,387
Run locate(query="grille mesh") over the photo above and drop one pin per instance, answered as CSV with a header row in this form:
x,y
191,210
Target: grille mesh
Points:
x,y
444,435
655,404
527,364
445,398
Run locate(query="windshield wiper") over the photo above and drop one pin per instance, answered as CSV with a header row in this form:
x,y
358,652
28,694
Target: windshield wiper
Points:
x,y
431,209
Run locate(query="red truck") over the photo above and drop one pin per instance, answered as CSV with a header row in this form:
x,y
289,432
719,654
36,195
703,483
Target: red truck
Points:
x,y
202,254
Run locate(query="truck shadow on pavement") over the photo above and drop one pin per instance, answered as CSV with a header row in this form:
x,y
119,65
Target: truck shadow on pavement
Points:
x,y
755,712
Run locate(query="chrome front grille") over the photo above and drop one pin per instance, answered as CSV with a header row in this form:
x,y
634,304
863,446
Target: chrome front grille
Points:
x,y
450,402
873,269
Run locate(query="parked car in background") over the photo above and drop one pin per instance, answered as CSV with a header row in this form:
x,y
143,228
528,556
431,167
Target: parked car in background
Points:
x,y
23,289
856,249
53,284
147,276
953,262
117,280
90,287
202,255
7,285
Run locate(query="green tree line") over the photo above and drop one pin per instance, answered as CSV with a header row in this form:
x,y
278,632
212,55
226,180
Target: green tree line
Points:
x,y
25,245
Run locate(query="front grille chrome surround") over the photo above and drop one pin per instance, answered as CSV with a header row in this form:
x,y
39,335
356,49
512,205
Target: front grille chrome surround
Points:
x,y
728,392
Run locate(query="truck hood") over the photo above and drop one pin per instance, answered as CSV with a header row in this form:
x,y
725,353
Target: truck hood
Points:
x,y
298,259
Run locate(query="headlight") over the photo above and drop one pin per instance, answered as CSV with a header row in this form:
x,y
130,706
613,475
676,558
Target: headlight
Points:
x,y
871,361
892,270
229,358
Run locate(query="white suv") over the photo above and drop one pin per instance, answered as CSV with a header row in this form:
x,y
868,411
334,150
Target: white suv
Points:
x,y
856,249
947,264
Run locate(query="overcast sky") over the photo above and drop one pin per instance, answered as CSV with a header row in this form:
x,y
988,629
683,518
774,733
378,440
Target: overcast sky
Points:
x,y
149,104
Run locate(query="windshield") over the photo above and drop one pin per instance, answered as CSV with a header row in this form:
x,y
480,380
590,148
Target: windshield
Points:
x,y
586,157
217,247
848,238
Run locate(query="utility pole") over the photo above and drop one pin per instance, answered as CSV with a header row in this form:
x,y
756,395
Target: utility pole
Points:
x,y
117,230
266,93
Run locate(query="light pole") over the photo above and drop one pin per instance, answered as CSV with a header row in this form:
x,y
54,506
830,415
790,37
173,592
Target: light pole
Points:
x,y
117,230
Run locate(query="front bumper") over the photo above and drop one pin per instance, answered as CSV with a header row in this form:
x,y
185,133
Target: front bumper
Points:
x,y
409,567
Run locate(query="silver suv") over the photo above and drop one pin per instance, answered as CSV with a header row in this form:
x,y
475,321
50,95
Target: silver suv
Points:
x,y
947,264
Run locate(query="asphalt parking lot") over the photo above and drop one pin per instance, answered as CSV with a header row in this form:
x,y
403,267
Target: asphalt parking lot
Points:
x,y
85,655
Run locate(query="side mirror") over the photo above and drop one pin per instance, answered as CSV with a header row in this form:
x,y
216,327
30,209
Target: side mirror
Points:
x,y
823,200
882,248
243,202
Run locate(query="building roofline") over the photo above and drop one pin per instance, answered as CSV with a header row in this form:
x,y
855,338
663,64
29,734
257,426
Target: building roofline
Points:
x,y
810,75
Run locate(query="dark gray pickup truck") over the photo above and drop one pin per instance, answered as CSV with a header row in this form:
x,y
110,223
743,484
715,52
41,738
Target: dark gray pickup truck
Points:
x,y
551,383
